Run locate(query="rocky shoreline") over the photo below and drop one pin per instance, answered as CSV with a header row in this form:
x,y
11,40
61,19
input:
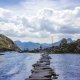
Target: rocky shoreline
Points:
x,y
42,70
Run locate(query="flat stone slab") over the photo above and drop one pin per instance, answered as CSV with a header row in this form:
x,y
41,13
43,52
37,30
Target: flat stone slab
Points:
x,y
46,63
42,67
44,60
41,64
37,70
41,74
38,79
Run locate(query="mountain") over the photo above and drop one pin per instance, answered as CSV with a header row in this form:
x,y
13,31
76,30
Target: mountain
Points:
x,y
65,47
7,44
69,40
73,47
30,45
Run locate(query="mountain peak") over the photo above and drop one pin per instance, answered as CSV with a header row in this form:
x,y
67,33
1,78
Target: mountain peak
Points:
x,y
69,40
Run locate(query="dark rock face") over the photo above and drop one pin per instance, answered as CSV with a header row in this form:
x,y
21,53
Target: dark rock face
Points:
x,y
7,44
72,47
63,45
78,45
63,42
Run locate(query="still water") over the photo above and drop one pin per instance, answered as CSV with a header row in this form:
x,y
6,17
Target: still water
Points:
x,y
17,66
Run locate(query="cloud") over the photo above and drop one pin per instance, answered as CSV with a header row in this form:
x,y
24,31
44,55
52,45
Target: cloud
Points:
x,y
46,25
42,24
46,12
70,30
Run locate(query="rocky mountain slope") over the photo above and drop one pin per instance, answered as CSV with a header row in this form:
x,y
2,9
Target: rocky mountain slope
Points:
x,y
65,47
69,40
7,44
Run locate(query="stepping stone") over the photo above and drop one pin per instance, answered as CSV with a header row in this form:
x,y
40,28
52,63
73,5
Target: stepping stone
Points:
x,y
42,69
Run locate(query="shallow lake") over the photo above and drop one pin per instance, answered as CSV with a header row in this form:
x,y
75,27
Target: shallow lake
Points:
x,y
17,66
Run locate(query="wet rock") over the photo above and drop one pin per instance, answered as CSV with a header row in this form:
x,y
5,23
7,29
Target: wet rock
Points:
x,y
42,70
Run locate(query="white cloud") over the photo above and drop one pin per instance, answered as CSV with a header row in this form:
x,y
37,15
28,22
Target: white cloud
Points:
x,y
42,24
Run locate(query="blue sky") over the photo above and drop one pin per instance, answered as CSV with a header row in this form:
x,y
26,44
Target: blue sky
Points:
x,y
58,3
9,3
38,20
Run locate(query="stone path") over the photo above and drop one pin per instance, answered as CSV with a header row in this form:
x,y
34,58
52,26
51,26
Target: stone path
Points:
x,y
42,70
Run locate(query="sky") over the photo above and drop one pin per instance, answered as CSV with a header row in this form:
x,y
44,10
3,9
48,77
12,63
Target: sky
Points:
x,y
40,20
